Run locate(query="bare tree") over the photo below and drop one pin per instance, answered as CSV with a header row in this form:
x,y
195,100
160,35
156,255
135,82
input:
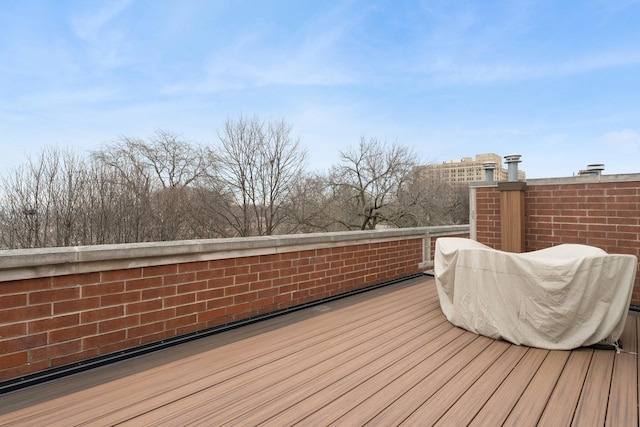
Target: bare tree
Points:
x,y
426,201
258,165
309,206
366,183
42,200
155,173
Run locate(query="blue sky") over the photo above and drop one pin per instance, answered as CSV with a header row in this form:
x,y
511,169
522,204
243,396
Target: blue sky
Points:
x,y
555,81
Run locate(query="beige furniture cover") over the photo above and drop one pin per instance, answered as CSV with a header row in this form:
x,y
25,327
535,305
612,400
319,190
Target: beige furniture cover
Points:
x,y
562,297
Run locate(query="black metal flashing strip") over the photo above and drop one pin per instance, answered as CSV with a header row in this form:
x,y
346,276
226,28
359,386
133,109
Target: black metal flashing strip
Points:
x,y
85,365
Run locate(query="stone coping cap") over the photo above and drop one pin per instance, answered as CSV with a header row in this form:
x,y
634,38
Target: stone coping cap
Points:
x,y
29,263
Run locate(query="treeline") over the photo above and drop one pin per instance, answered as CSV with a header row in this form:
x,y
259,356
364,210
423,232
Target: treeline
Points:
x,y
252,182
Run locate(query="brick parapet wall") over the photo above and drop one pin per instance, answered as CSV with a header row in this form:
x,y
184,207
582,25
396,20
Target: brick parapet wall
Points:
x,y
66,305
602,211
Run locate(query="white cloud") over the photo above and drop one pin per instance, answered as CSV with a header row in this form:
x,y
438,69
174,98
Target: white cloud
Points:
x,y
87,25
469,72
555,139
105,41
626,139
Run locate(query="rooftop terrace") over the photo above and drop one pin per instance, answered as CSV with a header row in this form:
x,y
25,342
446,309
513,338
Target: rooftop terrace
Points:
x,y
382,357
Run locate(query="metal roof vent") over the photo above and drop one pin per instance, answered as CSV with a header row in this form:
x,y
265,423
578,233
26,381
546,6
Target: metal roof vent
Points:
x,y
596,168
489,167
512,161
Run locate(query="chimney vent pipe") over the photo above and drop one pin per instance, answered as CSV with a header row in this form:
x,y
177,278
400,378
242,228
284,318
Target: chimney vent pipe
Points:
x,y
596,168
512,161
488,167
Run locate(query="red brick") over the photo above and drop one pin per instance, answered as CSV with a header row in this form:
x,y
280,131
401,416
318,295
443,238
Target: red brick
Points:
x,y
174,279
309,268
241,298
68,334
266,275
211,314
160,270
13,330
179,300
121,345
261,285
76,305
219,303
193,266
144,283
221,282
157,336
102,340
26,342
23,286
262,267
192,287
145,329
120,323
210,274
156,316
118,299
291,256
23,314
623,236
191,308
75,279
143,307
267,293
13,301
282,281
247,260
306,261
236,271
56,322
12,360
269,258
238,308
237,289
120,275
74,357
209,294
101,314
18,371
627,228
160,292
102,289
182,322
222,263
620,190
56,350
64,294
628,244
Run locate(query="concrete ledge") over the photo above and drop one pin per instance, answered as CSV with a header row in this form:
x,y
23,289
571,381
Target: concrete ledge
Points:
x,y
578,179
47,262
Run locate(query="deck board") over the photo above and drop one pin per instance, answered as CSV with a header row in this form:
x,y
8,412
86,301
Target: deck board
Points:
x,y
465,409
385,357
529,407
560,409
592,406
432,407
623,402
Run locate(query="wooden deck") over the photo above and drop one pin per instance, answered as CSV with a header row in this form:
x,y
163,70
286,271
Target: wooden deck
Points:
x,y
385,357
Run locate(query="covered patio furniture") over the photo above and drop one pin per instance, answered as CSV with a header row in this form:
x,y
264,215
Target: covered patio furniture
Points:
x,y
562,297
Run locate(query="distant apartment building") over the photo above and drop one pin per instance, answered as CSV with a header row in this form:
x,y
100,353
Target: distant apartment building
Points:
x,y
466,169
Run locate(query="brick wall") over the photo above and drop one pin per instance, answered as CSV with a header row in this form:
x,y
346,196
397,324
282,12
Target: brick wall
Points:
x,y
95,303
598,211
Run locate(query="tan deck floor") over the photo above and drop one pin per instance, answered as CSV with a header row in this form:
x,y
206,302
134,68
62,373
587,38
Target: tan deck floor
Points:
x,y
385,357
